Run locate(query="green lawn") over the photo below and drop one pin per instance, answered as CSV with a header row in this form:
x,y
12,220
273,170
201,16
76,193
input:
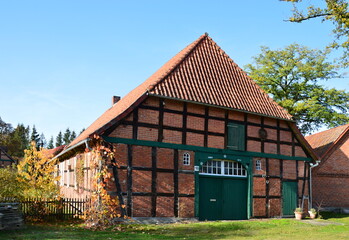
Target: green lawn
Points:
x,y
253,229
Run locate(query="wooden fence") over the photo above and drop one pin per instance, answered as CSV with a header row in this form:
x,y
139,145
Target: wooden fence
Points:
x,y
62,208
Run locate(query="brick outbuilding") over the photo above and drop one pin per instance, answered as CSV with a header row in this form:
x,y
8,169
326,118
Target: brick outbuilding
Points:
x,y
198,138
330,180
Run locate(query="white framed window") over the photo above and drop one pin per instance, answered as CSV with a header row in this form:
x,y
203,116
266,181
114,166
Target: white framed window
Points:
x,y
186,159
258,165
223,168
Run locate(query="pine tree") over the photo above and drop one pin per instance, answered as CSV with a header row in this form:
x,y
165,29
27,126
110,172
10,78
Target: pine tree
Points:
x,y
66,136
72,136
50,143
19,140
35,135
59,139
42,141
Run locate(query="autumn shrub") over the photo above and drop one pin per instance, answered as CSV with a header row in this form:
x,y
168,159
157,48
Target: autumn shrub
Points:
x,y
103,209
10,185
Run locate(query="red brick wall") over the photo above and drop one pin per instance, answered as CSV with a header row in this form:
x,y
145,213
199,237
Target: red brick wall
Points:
x,y
331,178
269,183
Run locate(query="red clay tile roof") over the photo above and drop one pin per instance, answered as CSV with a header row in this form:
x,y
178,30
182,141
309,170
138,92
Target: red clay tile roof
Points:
x,y
54,151
321,142
202,73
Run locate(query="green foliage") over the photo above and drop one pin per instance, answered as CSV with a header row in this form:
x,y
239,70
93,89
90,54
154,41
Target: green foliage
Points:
x,y
36,170
50,143
334,11
59,139
292,77
298,210
15,140
34,135
72,136
10,185
66,136
313,210
5,130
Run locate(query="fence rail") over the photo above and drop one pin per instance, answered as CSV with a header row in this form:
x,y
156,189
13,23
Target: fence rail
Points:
x,y
61,208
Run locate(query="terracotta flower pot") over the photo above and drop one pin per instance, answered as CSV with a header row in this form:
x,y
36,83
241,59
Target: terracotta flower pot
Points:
x,y
312,215
298,215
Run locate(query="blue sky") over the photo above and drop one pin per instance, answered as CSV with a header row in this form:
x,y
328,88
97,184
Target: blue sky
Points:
x,y
62,61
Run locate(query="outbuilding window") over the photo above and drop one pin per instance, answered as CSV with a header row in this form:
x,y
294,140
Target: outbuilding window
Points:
x,y
186,159
223,168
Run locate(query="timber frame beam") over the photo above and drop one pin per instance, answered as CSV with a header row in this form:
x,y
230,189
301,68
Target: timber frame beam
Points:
x,y
202,149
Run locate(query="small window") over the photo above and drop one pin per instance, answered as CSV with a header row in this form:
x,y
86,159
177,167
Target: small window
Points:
x,y
186,159
258,165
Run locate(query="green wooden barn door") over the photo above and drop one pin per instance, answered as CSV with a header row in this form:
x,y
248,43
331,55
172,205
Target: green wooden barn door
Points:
x,y
222,198
210,198
234,199
289,195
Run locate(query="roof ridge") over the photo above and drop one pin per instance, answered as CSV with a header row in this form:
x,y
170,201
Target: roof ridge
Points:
x,y
178,62
254,82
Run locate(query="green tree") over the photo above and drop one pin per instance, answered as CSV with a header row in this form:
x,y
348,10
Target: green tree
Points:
x,y
19,140
35,136
42,141
334,11
59,139
66,137
5,130
292,77
36,171
50,143
72,136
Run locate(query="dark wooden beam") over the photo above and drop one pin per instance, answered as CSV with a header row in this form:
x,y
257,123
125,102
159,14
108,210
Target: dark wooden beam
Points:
x,y
267,186
135,124
278,136
129,180
175,183
118,188
184,123
161,121
153,181
206,127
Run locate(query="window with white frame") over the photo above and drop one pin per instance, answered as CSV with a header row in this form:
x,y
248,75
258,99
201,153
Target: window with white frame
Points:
x,y
223,168
258,165
186,159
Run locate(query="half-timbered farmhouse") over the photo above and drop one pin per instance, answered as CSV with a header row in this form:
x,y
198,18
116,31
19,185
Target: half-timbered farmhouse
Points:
x,y
198,138
330,180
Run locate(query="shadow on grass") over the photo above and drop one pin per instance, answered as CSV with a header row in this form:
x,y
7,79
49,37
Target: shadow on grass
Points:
x,y
328,215
208,230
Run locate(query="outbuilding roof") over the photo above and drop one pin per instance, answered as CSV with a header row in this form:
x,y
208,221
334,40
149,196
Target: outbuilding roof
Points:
x,y
322,142
203,73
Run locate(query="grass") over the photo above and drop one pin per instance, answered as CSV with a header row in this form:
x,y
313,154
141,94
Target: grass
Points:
x,y
253,229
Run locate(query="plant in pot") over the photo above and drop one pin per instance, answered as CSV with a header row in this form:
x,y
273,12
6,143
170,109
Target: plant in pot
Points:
x,y
298,212
312,213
